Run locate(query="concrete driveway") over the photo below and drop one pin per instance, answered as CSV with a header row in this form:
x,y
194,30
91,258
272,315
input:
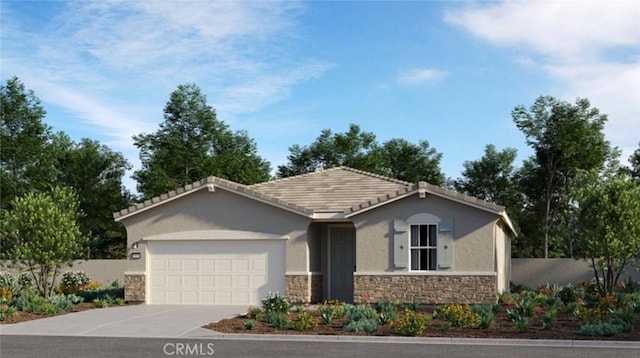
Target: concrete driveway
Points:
x,y
151,321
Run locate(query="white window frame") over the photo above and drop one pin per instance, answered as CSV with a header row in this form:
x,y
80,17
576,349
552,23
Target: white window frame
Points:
x,y
428,247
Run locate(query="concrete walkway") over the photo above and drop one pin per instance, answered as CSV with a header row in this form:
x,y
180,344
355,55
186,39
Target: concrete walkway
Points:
x,y
148,321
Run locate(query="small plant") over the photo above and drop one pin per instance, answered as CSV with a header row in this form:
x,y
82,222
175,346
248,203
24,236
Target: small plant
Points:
x,y
459,315
360,312
100,303
304,322
445,326
525,307
275,303
73,281
249,324
255,313
412,323
327,317
522,324
387,312
549,318
486,315
7,312
93,286
604,329
62,303
299,309
119,301
630,286
414,305
279,320
364,325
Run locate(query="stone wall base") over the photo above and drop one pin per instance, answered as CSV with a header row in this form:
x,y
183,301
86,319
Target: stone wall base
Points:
x,y
134,287
426,288
303,288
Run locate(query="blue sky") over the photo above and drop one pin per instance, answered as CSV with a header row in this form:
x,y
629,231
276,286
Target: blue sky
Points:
x,y
446,72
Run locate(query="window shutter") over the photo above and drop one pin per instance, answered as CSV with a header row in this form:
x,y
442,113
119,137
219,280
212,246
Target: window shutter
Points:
x,y
400,243
445,244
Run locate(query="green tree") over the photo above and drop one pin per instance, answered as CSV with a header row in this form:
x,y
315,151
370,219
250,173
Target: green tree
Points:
x,y
606,225
491,178
95,173
406,161
352,149
44,234
192,144
634,159
357,149
23,137
566,138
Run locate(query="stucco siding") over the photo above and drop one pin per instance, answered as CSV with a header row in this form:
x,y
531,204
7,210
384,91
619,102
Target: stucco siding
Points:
x,y
220,210
473,233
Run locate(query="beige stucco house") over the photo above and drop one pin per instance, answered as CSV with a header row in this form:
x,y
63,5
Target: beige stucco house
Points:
x,y
340,233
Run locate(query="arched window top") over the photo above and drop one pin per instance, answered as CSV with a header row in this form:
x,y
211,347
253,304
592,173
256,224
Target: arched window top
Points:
x,y
423,218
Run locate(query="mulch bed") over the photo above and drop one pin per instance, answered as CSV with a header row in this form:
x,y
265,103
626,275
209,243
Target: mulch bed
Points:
x,y
29,316
566,328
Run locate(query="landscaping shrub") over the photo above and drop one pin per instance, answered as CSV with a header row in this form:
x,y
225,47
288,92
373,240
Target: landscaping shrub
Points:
x,y
8,283
63,303
486,314
304,322
567,295
459,315
102,293
412,323
73,281
359,312
275,303
522,324
387,312
280,320
363,325
255,313
248,324
414,305
630,286
549,318
100,303
604,329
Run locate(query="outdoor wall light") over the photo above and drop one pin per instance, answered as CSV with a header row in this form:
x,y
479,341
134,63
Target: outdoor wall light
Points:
x,y
134,245
136,255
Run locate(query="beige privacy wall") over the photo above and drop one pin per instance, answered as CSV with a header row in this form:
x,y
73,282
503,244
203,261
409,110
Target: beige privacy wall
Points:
x,y
531,272
102,271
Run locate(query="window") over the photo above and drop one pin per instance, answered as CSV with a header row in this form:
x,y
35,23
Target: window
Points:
x,y
424,247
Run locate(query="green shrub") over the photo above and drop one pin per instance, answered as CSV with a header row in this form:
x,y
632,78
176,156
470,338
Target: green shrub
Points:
x,y
525,307
549,318
359,312
72,281
63,303
414,305
522,324
327,317
275,303
363,325
445,326
604,329
412,323
102,293
630,286
486,315
279,320
9,283
119,301
304,322
299,309
100,303
255,313
387,312
567,295
7,312
249,324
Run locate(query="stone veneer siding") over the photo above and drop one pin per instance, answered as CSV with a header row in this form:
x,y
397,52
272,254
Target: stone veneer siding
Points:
x,y
426,288
134,287
303,288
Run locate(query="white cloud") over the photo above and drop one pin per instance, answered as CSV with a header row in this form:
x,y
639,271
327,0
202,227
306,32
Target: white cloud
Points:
x,y
590,48
417,76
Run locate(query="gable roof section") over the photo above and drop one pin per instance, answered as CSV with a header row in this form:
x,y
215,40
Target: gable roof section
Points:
x,y
339,192
333,190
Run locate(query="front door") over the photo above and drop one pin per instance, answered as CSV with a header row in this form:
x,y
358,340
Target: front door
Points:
x,y
343,262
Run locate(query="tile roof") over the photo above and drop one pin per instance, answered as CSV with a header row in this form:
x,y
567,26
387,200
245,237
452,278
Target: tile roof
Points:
x,y
333,190
341,190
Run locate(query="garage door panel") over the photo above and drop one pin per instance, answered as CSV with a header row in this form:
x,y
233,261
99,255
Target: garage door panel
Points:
x,y
214,272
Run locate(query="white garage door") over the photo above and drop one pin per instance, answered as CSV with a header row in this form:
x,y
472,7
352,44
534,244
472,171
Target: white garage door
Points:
x,y
214,272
